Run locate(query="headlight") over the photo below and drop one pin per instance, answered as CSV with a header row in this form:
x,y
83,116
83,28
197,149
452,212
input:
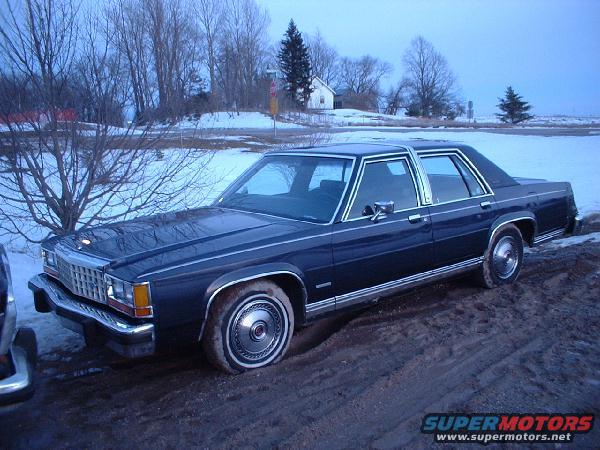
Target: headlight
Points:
x,y
131,298
49,258
50,265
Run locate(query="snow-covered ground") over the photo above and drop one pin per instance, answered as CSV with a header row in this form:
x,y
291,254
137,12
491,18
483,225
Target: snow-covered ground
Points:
x,y
228,120
347,117
574,159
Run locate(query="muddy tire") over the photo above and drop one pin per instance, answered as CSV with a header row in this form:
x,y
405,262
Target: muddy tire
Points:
x,y
503,259
249,326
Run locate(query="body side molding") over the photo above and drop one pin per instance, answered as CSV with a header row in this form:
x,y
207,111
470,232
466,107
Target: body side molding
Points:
x,y
371,293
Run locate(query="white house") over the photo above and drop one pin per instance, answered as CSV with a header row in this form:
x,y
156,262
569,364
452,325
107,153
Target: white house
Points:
x,y
322,95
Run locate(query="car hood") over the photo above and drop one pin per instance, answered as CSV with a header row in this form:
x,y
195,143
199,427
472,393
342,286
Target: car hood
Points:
x,y
146,243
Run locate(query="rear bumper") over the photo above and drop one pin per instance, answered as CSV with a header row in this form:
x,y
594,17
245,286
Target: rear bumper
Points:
x,y
19,387
96,325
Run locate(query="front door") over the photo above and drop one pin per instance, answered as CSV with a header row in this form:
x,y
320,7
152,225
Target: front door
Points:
x,y
368,253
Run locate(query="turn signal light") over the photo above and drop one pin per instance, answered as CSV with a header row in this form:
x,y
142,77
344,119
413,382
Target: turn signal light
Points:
x,y
141,297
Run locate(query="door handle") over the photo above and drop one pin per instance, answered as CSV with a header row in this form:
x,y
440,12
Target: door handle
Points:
x,y
485,205
415,218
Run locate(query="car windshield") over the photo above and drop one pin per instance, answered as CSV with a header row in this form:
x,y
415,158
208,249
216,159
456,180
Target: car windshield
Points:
x,y
297,187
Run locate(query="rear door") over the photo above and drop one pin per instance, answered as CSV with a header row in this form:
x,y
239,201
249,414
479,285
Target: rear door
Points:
x,y
462,209
369,253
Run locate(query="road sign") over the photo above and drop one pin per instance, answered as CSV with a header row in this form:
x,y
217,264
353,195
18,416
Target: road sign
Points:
x,y
273,89
274,106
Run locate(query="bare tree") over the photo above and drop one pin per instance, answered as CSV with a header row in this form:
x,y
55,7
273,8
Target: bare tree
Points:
x,y
57,174
129,40
396,98
324,59
431,83
361,79
174,44
210,16
243,53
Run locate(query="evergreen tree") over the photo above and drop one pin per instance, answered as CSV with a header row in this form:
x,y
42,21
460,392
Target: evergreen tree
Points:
x,y
514,109
294,62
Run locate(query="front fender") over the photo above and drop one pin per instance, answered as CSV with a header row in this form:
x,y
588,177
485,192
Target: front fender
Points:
x,y
248,274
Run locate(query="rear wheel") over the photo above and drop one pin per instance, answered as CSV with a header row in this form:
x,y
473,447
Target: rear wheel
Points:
x,y
503,259
249,327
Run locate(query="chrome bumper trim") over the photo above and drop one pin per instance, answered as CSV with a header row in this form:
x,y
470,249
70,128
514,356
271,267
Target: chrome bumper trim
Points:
x,y
22,378
114,323
9,326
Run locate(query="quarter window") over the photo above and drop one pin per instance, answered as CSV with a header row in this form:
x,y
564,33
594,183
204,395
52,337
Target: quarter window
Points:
x,y
384,181
450,179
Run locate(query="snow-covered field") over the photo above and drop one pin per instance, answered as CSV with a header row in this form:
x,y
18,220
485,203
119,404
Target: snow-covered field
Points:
x,y
573,159
541,120
558,158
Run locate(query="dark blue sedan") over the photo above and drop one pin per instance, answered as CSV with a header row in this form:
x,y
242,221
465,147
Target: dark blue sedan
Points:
x,y
300,235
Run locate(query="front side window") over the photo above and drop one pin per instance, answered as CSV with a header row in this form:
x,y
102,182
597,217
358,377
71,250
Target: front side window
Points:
x,y
297,187
450,179
384,181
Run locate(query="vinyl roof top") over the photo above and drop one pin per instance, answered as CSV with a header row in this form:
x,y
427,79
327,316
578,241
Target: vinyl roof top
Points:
x,y
367,149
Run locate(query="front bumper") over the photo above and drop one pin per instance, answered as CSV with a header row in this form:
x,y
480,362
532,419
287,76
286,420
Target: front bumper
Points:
x,y
98,326
18,386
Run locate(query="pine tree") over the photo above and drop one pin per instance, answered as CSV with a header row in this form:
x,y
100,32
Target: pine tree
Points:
x,y
294,62
514,109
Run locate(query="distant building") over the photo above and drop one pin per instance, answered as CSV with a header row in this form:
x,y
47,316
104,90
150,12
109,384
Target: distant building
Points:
x,y
321,96
340,98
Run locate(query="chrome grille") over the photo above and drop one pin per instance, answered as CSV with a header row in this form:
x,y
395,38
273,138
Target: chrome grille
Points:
x,y
83,281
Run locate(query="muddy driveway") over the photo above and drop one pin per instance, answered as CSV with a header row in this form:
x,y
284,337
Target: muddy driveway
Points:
x,y
365,380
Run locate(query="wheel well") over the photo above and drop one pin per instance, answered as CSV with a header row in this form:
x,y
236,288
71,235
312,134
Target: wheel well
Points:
x,y
290,284
527,229
294,289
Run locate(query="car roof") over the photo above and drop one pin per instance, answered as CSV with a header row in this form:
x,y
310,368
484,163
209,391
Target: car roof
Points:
x,y
369,149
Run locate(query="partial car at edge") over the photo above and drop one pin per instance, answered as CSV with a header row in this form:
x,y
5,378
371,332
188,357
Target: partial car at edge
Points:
x,y
18,347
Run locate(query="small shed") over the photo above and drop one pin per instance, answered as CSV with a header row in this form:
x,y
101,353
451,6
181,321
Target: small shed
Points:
x,y
321,96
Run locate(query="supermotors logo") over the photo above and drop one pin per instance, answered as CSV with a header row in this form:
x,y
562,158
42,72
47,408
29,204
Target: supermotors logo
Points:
x,y
494,428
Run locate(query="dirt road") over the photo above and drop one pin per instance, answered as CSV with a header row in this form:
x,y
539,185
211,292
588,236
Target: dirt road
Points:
x,y
365,380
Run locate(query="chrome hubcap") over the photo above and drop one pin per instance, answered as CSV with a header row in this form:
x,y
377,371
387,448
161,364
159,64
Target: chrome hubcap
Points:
x,y
505,257
256,330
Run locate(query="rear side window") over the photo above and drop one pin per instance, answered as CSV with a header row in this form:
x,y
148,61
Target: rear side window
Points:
x,y
447,184
473,185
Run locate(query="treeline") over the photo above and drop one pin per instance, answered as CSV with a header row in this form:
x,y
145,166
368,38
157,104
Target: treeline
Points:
x,y
163,59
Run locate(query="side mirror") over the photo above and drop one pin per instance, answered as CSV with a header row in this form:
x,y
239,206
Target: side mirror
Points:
x,y
382,209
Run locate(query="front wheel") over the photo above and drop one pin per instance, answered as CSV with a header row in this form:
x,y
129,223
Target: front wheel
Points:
x,y
249,327
503,259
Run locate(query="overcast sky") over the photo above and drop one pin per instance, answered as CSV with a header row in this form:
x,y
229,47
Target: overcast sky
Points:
x,y
549,51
